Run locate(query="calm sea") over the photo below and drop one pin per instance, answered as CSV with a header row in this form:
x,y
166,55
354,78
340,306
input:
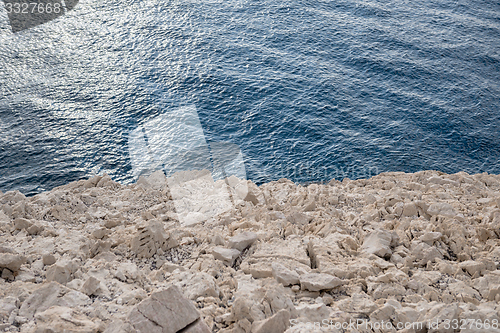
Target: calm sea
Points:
x,y
308,90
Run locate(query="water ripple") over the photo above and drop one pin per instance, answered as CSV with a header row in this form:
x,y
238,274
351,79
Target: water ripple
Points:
x,y
308,90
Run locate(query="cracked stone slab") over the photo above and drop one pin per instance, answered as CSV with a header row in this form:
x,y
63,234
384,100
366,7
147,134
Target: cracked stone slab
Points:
x,y
290,253
166,311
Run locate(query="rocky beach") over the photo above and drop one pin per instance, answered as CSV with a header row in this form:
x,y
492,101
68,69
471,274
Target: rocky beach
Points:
x,y
397,252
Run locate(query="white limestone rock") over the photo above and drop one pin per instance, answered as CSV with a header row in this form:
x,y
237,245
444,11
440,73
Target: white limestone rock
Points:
x,y
378,242
438,259
22,223
58,319
358,303
7,305
278,323
383,314
319,281
90,286
410,209
251,196
151,238
25,276
11,261
165,311
291,253
442,208
242,240
157,180
423,253
41,299
439,314
298,218
120,326
312,312
127,271
463,292
48,259
59,273
279,298
198,285
284,275
487,284
228,256
430,237
386,290
330,254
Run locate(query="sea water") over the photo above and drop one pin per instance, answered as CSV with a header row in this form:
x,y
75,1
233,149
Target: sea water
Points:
x,y
307,90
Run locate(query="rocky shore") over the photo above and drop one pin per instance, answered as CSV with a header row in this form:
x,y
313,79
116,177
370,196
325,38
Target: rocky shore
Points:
x,y
394,253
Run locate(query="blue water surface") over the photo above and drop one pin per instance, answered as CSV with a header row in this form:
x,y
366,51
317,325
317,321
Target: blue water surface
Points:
x,y
309,90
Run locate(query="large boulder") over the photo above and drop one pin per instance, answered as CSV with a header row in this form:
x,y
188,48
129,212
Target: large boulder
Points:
x,y
291,253
166,311
48,295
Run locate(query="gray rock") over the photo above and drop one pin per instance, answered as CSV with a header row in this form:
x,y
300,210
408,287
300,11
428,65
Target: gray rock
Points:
x,y
7,275
25,276
251,197
378,242
11,261
4,249
358,303
198,326
22,223
312,312
126,271
290,252
423,252
310,206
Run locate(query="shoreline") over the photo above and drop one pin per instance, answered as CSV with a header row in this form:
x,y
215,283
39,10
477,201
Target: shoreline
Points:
x,y
236,257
